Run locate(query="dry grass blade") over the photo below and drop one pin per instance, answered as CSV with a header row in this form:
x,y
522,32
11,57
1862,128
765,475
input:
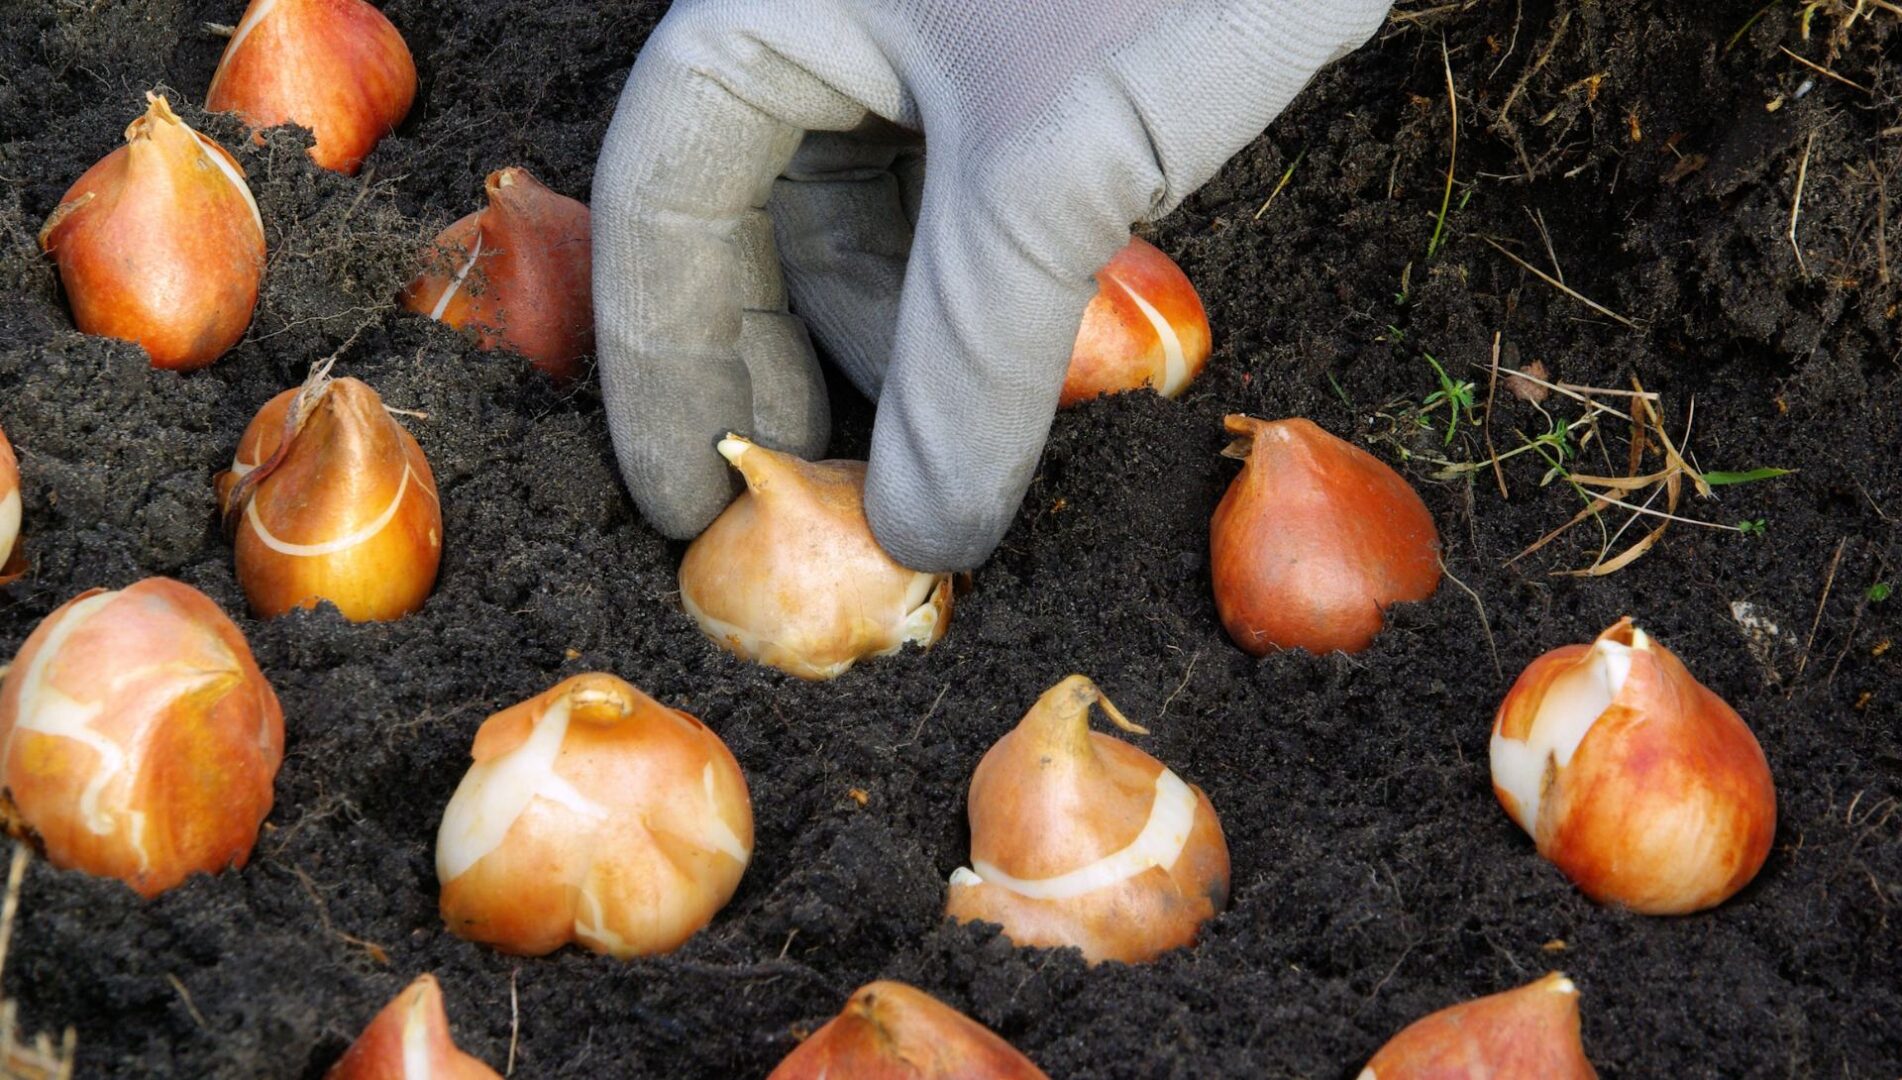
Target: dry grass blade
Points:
x,y
1286,176
1829,582
1671,455
1579,394
1624,483
20,1061
1796,203
1484,623
1821,70
1492,389
1562,286
1602,566
1594,507
1452,153
1603,493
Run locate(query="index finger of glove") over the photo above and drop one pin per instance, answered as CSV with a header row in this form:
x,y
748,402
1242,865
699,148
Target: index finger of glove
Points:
x,y
708,118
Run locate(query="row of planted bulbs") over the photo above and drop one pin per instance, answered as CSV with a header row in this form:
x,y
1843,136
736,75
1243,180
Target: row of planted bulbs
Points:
x,y
596,816
1638,782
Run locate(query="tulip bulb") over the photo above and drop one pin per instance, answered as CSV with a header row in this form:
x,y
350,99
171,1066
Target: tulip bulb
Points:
x,y
1081,839
596,815
1314,539
1144,327
1529,1033
328,498
161,243
891,1031
337,67
1644,787
138,739
410,1040
12,557
790,576
519,273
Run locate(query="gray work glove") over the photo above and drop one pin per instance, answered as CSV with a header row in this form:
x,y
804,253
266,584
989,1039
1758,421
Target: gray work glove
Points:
x,y
756,135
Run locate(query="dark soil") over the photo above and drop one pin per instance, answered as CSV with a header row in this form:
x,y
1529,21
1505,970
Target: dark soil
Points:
x,y
1375,879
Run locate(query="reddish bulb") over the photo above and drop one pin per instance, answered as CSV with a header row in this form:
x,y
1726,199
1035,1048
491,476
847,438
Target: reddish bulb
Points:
x,y
1145,327
1314,540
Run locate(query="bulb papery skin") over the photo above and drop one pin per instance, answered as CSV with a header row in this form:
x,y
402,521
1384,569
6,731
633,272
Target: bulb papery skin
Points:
x,y
337,67
1078,838
1531,1033
1642,785
1314,540
595,815
891,1031
790,575
410,1040
347,513
518,273
138,739
161,243
12,557
1145,327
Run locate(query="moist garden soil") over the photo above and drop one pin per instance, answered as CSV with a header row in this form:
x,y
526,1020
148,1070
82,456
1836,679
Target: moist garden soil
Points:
x,y
1634,152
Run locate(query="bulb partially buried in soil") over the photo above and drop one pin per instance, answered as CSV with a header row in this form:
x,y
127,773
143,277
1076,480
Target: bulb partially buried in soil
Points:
x,y
12,555
1078,838
337,67
891,1031
790,576
410,1040
1531,1033
328,498
1145,327
1633,778
138,739
519,274
596,815
161,243
1313,540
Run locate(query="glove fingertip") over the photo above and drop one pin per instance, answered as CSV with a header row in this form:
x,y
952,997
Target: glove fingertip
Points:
x,y
927,528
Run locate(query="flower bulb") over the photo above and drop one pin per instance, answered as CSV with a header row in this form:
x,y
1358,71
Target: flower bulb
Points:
x,y
410,1040
1529,1033
12,555
1314,539
328,498
790,576
138,739
596,815
519,273
1078,838
337,67
1144,327
1644,787
891,1031
161,243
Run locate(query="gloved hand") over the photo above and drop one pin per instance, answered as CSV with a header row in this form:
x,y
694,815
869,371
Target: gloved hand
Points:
x,y
756,134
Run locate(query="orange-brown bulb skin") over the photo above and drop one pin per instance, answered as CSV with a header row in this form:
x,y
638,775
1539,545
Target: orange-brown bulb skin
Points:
x,y
1080,839
891,1031
337,67
347,514
1145,327
1314,539
138,739
12,555
1666,806
790,575
595,815
1531,1033
519,274
161,243
411,1032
